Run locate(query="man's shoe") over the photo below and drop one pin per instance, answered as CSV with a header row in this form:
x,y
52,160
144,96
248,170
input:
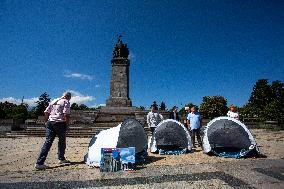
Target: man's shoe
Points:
x,y
41,167
65,161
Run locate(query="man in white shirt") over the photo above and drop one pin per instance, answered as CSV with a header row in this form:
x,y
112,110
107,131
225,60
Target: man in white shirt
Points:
x,y
154,118
57,115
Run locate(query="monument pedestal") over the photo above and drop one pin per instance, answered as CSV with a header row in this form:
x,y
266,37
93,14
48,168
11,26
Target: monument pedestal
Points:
x,y
112,116
118,102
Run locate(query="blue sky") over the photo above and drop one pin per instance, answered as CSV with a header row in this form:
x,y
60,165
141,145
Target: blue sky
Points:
x,y
180,50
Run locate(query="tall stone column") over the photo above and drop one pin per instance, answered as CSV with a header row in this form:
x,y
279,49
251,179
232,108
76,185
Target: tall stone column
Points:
x,y
119,83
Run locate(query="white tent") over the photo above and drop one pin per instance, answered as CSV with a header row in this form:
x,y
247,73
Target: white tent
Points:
x,y
170,135
228,137
130,133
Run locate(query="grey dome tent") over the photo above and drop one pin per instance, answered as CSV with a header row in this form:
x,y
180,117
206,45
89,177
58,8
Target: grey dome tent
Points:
x,y
130,133
170,137
228,137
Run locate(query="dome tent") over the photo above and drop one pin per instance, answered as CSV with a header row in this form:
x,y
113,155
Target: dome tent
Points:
x,y
130,133
228,137
170,137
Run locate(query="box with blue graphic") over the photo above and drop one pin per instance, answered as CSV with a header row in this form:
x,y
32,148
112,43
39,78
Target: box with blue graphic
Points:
x,y
115,159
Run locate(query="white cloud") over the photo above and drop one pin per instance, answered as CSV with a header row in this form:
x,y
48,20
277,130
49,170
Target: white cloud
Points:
x,y
29,101
97,105
97,86
78,76
130,158
79,98
131,56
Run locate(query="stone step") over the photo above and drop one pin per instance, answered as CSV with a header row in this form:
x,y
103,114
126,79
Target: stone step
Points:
x,y
22,135
9,135
73,132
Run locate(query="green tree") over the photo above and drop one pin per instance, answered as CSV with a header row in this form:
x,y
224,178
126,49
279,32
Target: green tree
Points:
x,y
260,97
277,90
6,109
42,104
154,105
20,112
74,106
12,111
162,106
274,110
141,108
214,106
83,107
266,101
2,112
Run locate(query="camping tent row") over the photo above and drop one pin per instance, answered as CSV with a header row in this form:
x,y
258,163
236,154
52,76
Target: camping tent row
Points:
x,y
223,136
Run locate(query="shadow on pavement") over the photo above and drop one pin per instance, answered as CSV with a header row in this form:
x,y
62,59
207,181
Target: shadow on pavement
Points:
x,y
67,164
148,160
151,159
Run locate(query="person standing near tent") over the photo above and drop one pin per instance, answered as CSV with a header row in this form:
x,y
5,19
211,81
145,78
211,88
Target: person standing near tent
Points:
x,y
232,112
174,114
194,122
57,115
154,118
187,111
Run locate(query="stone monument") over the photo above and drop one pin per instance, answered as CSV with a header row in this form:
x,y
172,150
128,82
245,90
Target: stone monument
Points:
x,y
118,105
119,83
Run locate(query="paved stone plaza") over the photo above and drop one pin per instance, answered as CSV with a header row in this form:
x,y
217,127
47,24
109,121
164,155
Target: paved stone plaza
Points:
x,y
193,170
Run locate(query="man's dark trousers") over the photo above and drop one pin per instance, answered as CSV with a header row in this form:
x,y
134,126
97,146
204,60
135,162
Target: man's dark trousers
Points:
x,y
53,129
196,132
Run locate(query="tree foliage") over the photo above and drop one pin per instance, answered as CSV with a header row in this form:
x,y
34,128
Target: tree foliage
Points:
x,y
154,105
214,106
75,106
42,104
259,98
20,112
6,109
266,101
162,106
141,108
83,107
12,111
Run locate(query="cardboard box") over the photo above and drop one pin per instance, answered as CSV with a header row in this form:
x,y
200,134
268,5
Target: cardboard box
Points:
x,y
116,159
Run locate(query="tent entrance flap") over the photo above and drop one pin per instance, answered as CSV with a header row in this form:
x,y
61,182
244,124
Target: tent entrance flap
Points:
x,y
228,137
170,135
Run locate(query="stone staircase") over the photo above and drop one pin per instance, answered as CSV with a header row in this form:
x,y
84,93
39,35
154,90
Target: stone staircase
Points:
x,y
85,123
77,132
40,132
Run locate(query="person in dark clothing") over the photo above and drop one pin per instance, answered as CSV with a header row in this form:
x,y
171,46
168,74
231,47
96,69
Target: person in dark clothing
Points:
x,y
185,122
174,114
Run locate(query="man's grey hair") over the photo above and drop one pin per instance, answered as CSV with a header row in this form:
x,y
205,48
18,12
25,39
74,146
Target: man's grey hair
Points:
x,y
67,94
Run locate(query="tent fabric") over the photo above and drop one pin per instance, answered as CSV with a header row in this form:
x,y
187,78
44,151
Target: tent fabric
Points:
x,y
130,133
170,135
228,137
105,139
